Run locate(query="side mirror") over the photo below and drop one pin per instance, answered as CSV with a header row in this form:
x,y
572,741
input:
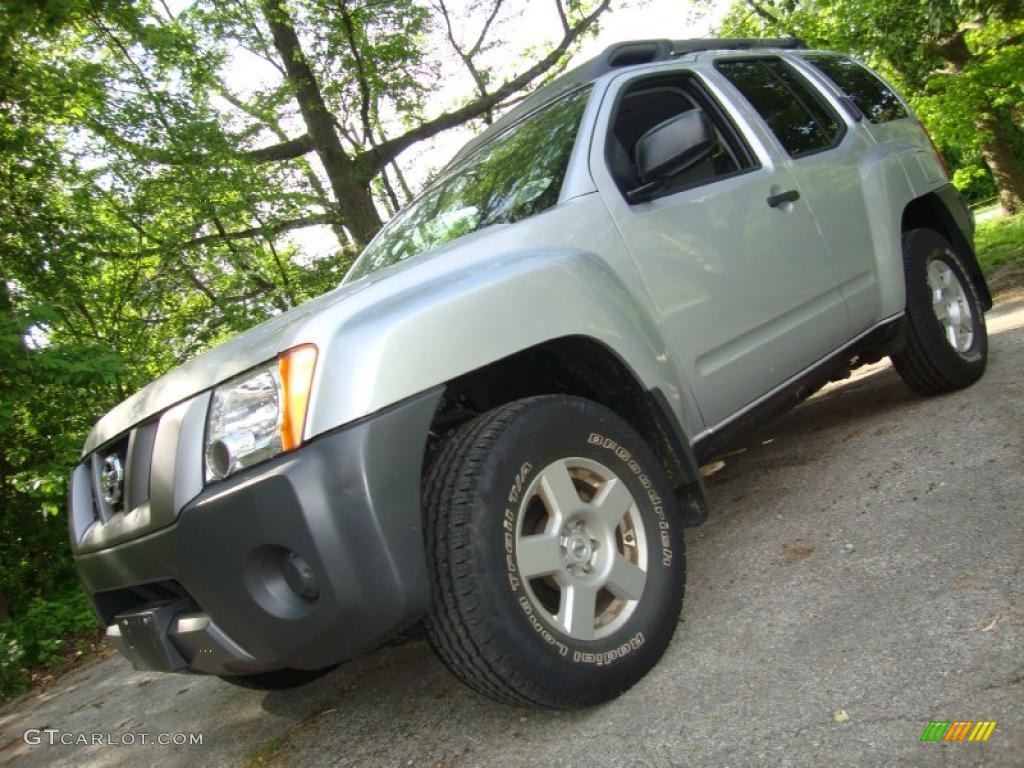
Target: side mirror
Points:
x,y
670,148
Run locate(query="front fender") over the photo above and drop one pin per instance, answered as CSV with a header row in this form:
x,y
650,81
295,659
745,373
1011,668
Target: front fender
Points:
x,y
432,326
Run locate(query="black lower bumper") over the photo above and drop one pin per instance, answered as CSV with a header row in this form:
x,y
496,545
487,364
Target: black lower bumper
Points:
x,y
302,562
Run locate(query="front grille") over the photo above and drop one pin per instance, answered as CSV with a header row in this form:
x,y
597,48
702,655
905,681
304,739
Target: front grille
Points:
x,y
160,472
103,465
120,472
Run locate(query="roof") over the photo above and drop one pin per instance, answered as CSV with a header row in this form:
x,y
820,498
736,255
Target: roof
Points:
x,y
617,56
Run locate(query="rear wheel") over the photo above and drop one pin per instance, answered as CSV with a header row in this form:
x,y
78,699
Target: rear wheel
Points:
x,y
556,560
947,344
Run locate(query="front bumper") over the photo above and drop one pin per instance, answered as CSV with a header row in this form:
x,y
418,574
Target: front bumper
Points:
x,y
301,562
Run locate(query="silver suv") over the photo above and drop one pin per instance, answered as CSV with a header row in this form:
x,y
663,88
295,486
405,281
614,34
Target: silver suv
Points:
x,y
492,429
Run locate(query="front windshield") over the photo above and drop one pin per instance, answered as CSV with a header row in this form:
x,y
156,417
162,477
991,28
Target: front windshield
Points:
x,y
517,175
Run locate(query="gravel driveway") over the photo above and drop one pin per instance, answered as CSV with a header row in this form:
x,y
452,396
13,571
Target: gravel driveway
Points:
x,y
860,576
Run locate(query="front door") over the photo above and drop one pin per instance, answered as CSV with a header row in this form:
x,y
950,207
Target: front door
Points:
x,y
742,286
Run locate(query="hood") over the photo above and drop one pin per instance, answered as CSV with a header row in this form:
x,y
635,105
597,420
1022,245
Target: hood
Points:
x,y
256,345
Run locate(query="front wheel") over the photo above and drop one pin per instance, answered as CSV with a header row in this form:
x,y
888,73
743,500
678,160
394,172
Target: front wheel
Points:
x,y
947,344
556,560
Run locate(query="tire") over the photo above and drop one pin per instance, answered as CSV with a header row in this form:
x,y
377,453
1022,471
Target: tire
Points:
x,y
492,498
938,286
277,680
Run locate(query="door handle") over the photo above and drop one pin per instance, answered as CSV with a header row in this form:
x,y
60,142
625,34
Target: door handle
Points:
x,y
789,196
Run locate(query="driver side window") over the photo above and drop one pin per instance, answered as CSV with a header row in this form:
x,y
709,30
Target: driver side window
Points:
x,y
651,102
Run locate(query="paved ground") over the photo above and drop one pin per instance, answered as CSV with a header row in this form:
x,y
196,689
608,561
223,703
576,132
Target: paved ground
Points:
x,y
864,555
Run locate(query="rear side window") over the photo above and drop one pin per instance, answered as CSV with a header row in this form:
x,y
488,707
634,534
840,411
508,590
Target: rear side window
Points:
x,y
797,114
873,97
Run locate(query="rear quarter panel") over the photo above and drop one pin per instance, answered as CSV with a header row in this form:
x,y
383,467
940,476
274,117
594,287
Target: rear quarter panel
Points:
x,y
887,191
898,168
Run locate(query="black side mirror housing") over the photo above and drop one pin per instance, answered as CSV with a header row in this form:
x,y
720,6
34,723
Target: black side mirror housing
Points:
x,y
670,148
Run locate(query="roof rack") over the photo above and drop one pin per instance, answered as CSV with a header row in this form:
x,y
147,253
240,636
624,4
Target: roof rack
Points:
x,y
632,52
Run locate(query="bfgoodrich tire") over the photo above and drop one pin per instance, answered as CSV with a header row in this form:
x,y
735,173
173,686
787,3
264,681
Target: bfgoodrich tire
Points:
x,y
947,343
556,557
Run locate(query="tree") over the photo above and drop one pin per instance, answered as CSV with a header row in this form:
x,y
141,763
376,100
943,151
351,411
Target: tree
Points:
x,y
960,61
350,172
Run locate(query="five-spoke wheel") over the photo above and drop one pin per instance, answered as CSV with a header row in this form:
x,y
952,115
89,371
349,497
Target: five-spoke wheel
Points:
x,y
950,305
581,548
555,553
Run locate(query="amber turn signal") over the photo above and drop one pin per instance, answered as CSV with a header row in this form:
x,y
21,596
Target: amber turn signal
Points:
x,y
296,367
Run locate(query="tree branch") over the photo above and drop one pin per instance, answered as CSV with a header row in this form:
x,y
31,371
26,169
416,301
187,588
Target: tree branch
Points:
x,y
270,123
1014,40
143,80
202,287
382,154
467,56
266,231
361,80
286,150
763,12
954,50
145,153
475,49
264,57
561,15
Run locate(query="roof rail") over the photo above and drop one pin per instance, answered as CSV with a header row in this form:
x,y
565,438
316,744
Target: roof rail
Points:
x,y
631,52
682,47
618,55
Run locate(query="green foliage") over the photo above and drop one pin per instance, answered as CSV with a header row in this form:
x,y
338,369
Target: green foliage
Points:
x,y
1000,241
43,635
115,178
970,174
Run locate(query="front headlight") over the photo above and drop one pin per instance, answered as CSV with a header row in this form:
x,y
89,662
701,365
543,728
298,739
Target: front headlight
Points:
x,y
259,414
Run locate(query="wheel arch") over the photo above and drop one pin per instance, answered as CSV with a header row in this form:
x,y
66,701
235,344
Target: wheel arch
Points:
x,y
943,211
585,367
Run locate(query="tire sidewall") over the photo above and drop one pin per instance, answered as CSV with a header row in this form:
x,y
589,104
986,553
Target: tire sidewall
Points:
x,y
559,428
921,247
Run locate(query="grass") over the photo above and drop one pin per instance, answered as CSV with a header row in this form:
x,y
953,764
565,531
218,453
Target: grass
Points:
x,y
1000,241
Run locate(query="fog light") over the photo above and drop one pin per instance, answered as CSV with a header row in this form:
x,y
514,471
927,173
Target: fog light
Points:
x,y
299,577
281,582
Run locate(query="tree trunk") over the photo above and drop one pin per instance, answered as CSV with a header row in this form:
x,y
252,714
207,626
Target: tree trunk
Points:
x,y
1006,168
994,141
351,192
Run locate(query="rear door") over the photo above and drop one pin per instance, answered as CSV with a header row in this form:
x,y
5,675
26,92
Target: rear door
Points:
x,y
741,283
826,146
